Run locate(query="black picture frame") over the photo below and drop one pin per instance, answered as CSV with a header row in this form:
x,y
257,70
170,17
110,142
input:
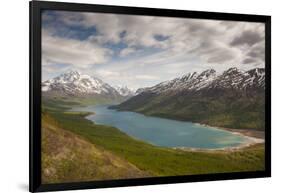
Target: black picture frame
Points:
x,y
36,7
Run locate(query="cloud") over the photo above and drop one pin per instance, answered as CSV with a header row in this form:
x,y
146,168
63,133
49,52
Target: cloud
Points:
x,y
142,50
146,77
79,54
51,67
257,51
249,61
247,37
218,58
107,73
127,51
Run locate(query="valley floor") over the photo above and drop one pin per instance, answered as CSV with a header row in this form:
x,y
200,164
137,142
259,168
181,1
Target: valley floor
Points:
x,y
75,149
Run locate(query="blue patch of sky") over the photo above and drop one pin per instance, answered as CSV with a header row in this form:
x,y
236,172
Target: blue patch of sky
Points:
x,y
141,51
160,37
79,32
115,46
122,34
146,51
76,32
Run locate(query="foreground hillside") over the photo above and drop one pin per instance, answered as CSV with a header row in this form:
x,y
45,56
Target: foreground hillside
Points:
x,y
233,99
66,157
106,148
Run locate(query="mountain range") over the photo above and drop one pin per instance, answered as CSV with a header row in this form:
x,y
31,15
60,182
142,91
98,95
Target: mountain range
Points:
x,y
233,98
207,80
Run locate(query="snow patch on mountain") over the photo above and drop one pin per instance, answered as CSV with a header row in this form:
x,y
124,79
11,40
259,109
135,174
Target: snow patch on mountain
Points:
x,y
77,84
124,90
233,78
73,82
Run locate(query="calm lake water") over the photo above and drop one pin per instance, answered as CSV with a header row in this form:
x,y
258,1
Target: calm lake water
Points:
x,y
163,132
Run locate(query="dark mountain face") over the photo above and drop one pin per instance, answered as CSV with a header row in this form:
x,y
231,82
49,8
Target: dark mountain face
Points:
x,y
232,99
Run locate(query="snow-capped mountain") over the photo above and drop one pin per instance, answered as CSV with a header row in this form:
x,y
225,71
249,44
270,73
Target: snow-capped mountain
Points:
x,y
190,81
76,84
232,99
232,78
124,91
236,79
257,77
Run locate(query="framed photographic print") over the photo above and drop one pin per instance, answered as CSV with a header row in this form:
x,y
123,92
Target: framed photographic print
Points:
x,y
123,96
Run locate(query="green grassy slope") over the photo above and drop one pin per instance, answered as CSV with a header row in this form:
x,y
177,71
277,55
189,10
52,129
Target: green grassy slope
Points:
x,y
156,160
66,157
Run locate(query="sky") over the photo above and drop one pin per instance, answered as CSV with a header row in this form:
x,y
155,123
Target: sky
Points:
x,y
141,51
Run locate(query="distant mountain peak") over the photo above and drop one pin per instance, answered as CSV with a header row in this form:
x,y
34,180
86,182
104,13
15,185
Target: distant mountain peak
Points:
x,y
72,71
207,73
75,83
70,75
123,90
232,70
189,75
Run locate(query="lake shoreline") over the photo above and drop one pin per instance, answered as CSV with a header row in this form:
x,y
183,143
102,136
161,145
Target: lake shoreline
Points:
x,y
253,137
246,132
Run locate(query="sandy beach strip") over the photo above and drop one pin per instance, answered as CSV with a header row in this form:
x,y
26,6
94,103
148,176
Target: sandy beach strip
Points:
x,y
253,137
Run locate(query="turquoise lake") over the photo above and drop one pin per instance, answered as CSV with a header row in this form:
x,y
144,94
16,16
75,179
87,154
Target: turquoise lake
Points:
x,y
163,132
